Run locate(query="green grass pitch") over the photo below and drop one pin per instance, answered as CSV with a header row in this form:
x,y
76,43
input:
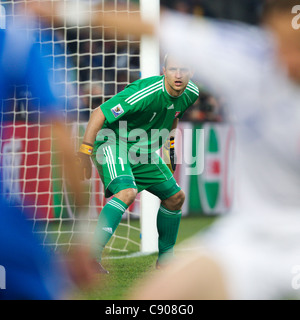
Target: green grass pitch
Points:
x,y
125,272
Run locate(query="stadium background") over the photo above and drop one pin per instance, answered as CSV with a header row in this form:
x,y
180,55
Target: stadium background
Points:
x,y
89,68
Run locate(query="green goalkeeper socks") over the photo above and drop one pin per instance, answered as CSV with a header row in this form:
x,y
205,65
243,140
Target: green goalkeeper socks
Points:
x,y
167,226
108,222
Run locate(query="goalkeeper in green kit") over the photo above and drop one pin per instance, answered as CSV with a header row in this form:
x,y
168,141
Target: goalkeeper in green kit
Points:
x,y
122,137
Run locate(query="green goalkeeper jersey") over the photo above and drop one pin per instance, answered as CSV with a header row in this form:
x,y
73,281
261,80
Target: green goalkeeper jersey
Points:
x,y
142,114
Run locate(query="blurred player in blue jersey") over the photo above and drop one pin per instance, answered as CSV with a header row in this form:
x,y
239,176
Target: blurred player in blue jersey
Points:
x,y
30,271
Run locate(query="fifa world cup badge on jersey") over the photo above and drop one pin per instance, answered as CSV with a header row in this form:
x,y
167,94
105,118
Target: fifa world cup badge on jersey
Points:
x,y
117,110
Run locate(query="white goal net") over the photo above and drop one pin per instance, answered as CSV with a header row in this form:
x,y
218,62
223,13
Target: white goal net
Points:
x,y
90,67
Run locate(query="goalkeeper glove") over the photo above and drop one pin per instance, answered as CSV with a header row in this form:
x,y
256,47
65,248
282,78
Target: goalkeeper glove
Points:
x,y
169,155
84,162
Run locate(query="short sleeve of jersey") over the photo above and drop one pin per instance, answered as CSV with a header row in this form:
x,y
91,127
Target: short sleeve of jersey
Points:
x,y
119,106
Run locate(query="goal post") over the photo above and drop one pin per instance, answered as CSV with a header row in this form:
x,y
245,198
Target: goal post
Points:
x,y
89,67
150,66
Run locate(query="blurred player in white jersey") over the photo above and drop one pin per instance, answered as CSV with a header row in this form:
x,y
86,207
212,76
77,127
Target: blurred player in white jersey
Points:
x,y
254,252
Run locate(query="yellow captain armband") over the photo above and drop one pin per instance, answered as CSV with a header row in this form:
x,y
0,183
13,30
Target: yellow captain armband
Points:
x,y
86,149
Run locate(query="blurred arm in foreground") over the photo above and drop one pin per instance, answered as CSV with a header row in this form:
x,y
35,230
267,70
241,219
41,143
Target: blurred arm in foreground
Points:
x,y
96,15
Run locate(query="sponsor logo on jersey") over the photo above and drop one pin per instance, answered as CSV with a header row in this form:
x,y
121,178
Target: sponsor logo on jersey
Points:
x,y
117,110
171,107
177,114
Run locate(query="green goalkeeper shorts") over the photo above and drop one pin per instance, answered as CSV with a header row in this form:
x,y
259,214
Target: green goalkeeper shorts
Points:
x,y
118,173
